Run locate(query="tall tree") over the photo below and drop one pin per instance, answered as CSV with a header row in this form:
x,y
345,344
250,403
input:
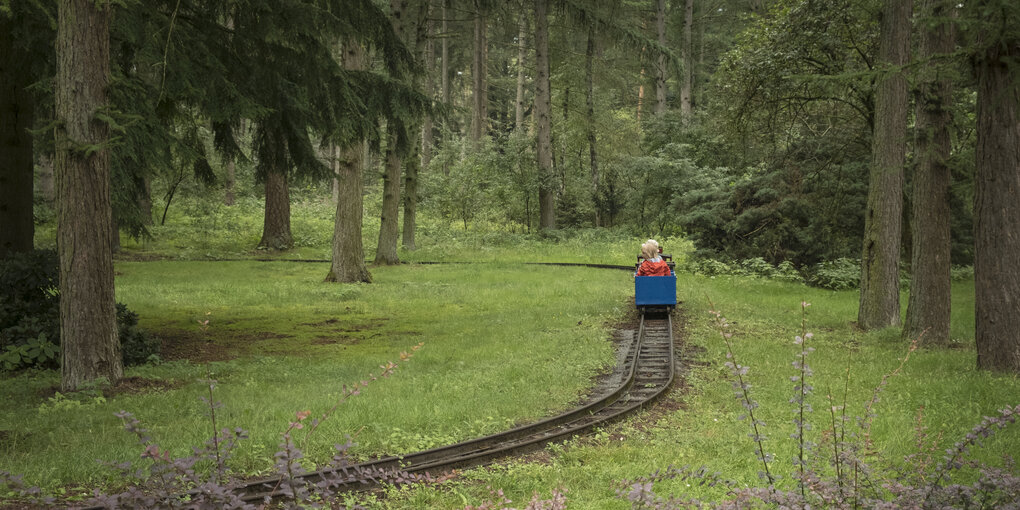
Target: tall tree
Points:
x,y
414,165
479,63
997,194
660,59
929,303
543,119
687,56
386,248
593,160
88,330
522,46
348,257
880,287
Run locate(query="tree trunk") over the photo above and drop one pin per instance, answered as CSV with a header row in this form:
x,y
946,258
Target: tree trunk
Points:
x,y
997,195
145,202
880,289
479,92
17,112
522,47
276,225
687,55
386,250
348,263
660,60
929,303
445,59
589,73
423,43
543,119
230,181
89,345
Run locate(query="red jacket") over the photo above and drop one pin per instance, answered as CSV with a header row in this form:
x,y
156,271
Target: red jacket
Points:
x,y
649,268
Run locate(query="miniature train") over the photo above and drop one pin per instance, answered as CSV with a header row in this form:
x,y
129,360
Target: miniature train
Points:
x,y
655,293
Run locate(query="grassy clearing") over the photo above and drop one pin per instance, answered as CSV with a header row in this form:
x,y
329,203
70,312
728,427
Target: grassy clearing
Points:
x,y
516,341
496,332
704,431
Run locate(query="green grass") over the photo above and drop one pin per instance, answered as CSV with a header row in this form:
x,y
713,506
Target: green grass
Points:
x,y
705,431
518,342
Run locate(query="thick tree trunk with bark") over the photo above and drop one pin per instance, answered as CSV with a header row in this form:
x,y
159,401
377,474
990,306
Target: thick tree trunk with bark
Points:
x,y
589,74
880,288
543,119
17,112
276,223
89,345
660,60
348,263
479,85
929,303
687,55
522,52
997,198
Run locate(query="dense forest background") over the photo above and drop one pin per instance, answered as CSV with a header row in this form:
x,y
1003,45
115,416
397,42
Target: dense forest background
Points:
x,y
793,131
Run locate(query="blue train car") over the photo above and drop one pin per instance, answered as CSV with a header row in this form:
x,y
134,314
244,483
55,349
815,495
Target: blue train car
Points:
x,y
655,291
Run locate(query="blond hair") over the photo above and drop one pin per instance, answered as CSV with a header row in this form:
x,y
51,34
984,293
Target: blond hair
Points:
x,y
650,249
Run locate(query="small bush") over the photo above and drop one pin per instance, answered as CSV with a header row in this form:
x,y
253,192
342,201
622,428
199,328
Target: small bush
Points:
x,y
30,316
839,274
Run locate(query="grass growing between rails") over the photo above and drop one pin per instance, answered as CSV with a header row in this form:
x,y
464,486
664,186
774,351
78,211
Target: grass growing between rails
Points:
x,y
514,342
939,390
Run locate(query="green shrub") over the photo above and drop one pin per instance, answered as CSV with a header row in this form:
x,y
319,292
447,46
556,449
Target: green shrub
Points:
x,y
30,316
839,274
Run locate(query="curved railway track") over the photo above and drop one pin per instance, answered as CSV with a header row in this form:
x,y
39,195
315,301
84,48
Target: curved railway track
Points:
x,y
649,369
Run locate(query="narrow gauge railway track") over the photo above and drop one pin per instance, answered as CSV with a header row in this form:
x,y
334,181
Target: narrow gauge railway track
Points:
x,y
649,367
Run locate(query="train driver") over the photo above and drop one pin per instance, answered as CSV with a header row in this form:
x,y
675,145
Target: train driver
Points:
x,y
653,265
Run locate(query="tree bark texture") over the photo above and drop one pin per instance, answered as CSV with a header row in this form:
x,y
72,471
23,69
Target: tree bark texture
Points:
x,y
880,289
479,85
687,55
522,52
928,307
997,197
660,60
348,263
543,119
17,112
589,73
276,224
89,345
386,250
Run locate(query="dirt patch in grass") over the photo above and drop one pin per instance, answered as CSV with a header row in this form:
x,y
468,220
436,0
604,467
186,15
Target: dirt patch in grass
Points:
x,y
136,385
133,385
191,346
334,340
